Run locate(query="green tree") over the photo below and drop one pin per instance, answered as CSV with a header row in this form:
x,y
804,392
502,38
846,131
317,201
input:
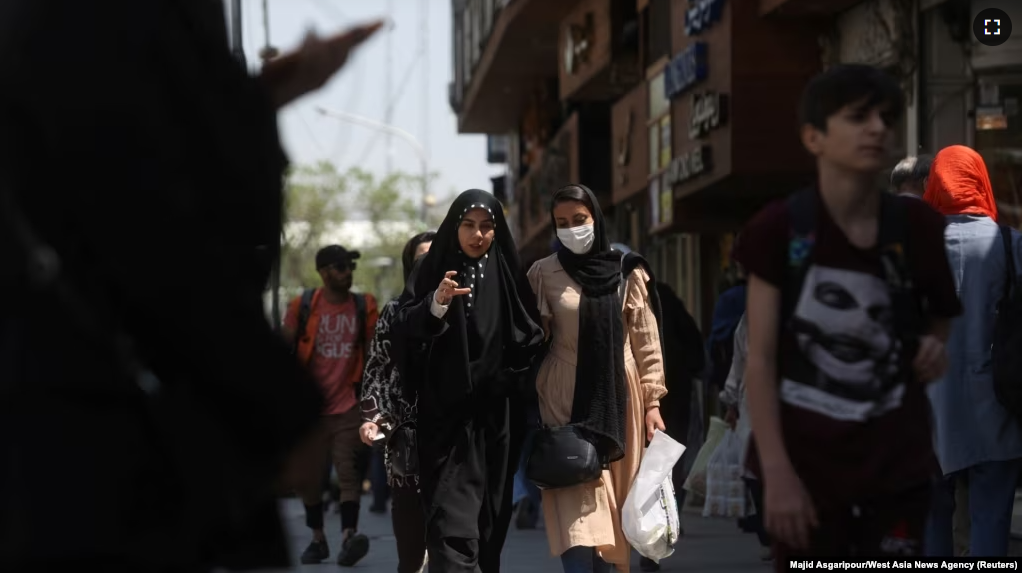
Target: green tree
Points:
x,y
319,199
314,203
385,202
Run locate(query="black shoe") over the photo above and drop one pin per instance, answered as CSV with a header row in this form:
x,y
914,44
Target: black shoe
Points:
x,y
378,509
354,549
648,565
316,552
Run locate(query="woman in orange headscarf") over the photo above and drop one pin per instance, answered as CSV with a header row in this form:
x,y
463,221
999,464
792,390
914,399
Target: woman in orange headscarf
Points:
x,y
975,436
959,184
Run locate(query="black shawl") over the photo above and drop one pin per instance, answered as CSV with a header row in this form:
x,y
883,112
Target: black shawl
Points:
x,y
601,392
497,327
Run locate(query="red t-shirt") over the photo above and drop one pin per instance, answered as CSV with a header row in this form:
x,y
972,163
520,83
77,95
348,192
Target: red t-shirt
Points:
x,y
855,423
334,352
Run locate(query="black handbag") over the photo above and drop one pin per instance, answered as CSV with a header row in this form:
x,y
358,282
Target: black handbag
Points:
x,y
563,456
402,451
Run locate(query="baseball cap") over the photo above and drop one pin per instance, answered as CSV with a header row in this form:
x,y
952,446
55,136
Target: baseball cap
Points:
x,y
335,255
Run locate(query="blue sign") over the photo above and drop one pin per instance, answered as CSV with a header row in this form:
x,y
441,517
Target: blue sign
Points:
x,y
686,69
702,15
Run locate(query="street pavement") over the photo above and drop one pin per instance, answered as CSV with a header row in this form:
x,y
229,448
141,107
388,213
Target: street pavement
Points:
x,y
709,545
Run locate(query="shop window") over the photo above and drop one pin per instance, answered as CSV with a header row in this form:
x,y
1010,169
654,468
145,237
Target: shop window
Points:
x,y
999,140
659,126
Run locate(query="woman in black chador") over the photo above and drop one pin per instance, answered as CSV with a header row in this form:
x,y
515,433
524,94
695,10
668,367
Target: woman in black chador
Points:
x,y
474,309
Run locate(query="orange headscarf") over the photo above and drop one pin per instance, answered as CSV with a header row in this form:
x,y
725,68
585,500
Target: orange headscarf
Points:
x,y
959,184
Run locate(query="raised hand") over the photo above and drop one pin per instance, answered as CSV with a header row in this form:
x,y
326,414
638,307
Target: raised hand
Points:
x,y
306,69
448,289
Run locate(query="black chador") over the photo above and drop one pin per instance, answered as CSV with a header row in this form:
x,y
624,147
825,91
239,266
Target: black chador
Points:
x,y
466,367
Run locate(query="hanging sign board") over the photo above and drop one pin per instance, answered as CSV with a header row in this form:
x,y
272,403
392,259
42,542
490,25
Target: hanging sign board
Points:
x,y
688,165
686,69
702,15
709,111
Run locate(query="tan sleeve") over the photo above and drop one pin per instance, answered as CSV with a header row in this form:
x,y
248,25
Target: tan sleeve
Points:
x,y
641,325
535,275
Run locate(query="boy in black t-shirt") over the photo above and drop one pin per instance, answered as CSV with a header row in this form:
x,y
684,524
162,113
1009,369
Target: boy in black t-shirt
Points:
x,y
846,324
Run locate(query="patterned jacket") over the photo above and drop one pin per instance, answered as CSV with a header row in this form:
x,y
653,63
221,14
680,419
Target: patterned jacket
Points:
x,y
383,400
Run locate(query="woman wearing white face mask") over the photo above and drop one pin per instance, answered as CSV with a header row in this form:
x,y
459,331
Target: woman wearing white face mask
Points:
x,y
612,347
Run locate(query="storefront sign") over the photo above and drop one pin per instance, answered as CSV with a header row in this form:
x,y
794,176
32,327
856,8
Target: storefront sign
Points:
x,y
702,15
577,44
687,166
686,70
709,111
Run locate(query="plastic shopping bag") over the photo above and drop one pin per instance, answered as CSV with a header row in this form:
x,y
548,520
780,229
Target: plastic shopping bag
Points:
x,y
650,518
696,481
725,490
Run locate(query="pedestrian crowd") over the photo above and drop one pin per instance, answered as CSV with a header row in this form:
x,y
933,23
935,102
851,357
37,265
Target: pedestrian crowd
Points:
x,y
864,354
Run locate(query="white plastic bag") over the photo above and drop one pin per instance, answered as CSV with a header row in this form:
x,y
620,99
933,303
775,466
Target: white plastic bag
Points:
x,y
650,515
725,490
696,481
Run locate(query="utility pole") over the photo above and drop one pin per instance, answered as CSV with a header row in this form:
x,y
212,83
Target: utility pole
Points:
x,y
237,40
424,71
388,89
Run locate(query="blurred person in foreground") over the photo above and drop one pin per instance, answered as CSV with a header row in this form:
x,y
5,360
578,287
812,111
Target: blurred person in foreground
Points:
x,y
849,305
976,437
909,176
179,413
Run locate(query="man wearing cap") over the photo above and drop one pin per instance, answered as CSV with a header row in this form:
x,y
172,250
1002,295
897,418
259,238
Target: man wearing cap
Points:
x,y
330,327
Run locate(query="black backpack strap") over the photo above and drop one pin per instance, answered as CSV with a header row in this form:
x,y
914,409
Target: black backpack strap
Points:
x,y
893,241
625,272
1010,274
362,314
304,310
802,214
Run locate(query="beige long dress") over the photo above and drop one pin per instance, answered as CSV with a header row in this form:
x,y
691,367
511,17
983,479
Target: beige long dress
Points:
x,y
588,515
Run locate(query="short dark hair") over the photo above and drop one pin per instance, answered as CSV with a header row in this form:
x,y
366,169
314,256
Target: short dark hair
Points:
x,y
408,254
573,193
911,169
845,84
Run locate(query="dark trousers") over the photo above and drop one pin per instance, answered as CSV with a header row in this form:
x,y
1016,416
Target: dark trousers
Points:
x,y
755,488
890,527
378,479
409,527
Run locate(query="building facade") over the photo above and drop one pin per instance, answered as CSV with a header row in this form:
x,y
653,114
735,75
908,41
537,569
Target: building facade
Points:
x,y
681,114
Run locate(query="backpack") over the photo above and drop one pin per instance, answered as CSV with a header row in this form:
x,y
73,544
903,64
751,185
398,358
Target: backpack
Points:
x,y
629,262
1005,356
893,243
305,309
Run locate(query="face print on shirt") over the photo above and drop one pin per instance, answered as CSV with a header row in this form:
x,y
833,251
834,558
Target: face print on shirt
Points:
x,y
844,326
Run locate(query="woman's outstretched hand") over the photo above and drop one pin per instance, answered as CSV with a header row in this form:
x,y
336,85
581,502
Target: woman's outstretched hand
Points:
x,y
448,289
653,423
308,68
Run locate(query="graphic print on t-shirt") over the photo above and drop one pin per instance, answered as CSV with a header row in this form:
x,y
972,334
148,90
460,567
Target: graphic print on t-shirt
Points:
x,y
334,355
336,336
844,327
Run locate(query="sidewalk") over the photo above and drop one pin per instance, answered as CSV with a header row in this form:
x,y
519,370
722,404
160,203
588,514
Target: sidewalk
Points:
x,y
711,545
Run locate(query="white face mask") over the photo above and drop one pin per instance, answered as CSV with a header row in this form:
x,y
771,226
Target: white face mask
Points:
x,y
577,239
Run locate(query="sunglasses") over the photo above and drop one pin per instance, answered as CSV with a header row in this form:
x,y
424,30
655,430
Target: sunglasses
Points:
x,y
341,267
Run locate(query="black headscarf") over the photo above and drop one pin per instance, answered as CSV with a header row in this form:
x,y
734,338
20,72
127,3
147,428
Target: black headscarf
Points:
x,y
496,327
601,391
